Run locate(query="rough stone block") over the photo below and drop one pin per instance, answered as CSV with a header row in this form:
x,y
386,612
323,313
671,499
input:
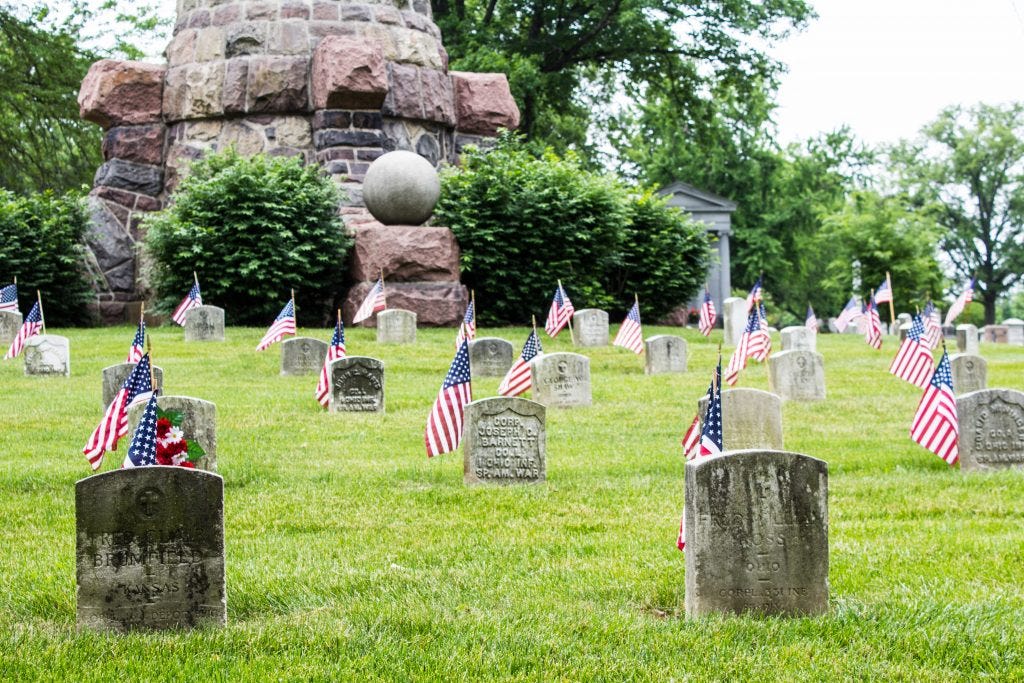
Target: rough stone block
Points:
x,y
116,93
348,73
404,96
277,84
142,144
483,103
406,253
436,304
127,175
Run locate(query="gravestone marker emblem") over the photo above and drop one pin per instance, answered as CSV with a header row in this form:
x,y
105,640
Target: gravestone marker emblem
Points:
x,y
357,385
970,373
490,357
797,375
302,356
504,441
204,323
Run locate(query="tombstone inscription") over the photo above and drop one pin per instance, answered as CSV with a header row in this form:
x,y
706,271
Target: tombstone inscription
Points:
x,y
561,380
204,323
10,323
302,356
199,424
490,357
664,353
970,373
751,418
991,429
504,442
396,326
591,327
47,354
115,375
797,375
357,385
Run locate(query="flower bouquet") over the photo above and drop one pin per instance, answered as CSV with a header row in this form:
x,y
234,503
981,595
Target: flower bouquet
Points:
x,y
171,446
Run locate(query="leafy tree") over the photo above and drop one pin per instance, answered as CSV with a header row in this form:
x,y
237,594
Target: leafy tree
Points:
x,y
967,170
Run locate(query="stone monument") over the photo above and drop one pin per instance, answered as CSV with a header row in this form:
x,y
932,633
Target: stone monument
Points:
x,y
967,339
991,429
10,323
204,323
996,334
561,380
970,373
504,442
47,354
757,534
150,549
798,338
797,375
590,326
357,385
396,326
751,418
115,375
303,356
664,353
734,319
199,424
1014,331
490,356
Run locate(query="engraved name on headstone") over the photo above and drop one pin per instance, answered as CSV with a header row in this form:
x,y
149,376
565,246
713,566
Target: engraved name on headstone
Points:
x,y
991,429
504,441
1014,331
967,339
115,375
664,353
150,549
357,385
799,338
751,418
396,326
198,423
10,323
561,380
591,327
204,323
47,354
734,319
757,534
302,356
490,357
797,375
970,373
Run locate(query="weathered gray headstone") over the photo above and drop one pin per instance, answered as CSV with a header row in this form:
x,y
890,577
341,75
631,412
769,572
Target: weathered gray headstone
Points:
x,y
1014,331
799,338
150,549
734,320
396,326
797,375
504,441
115,375
303,356
591,327
357,385
490,357
970,373
996,334
664,353
47,354
10,323
561,380
904,319
853,327
204,323
904,330
991,429
198,423
757,534
967,339
751,418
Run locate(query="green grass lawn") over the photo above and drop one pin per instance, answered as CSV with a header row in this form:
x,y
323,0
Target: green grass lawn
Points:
x,y
350,555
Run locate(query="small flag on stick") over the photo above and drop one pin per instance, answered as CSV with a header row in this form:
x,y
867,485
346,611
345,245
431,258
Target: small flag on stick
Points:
x,y
850,312
335,351
936,425
708,314
137,387
811,321
283,324
191,300
961,303
444,424
138,342
29,328
913,361
142,450
517,380
630,336
467,330
9,298
374,301
560,313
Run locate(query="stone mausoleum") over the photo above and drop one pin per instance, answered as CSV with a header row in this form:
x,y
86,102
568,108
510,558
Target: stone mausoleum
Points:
x,y
336,82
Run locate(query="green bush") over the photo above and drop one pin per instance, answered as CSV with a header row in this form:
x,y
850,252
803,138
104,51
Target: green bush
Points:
x,y
41,244
253,229
523,222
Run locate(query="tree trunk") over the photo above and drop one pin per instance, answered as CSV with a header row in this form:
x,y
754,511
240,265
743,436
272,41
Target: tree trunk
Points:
x,y
989,300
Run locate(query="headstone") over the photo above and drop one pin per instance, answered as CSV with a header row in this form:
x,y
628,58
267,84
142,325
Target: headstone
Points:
x,y
198,423
799,338
150,549
490,357
757,534
905,330
948,332
996,334
991,429
504,442
115,375
967,339
590,327
204,323
47,354
734,319
357,385
664,353
970,373
303,356
831,326
797,375
396,326
852,328
10,323
561,380
751,418
904,319
1014,331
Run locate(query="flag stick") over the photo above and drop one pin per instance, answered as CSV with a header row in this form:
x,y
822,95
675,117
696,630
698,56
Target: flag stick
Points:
x,y
572,335
142,312
152,372
339,316
42,318
533,319
892,311
295,313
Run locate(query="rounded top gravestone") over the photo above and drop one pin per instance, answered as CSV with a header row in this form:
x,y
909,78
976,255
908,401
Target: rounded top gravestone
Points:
x,y
401,188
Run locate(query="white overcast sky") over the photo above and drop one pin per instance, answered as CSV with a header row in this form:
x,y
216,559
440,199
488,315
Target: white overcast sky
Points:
x,y
886,67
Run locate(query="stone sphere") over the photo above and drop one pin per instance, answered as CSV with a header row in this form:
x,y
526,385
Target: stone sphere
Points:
x,y
401,188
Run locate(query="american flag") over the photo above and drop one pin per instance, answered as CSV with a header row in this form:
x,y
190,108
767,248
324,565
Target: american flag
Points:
x,y
9,298
681,539
630,336
560,312
711,434
883,294
335,351
191,300
283,324
137,387
692,438
932,325
29,328
811,322
873,325
961,303
913,362
752,343
139,341
708,315
755,294
374,301
467,330
935,425
763,346
849,313
444,424
142,450
517,379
